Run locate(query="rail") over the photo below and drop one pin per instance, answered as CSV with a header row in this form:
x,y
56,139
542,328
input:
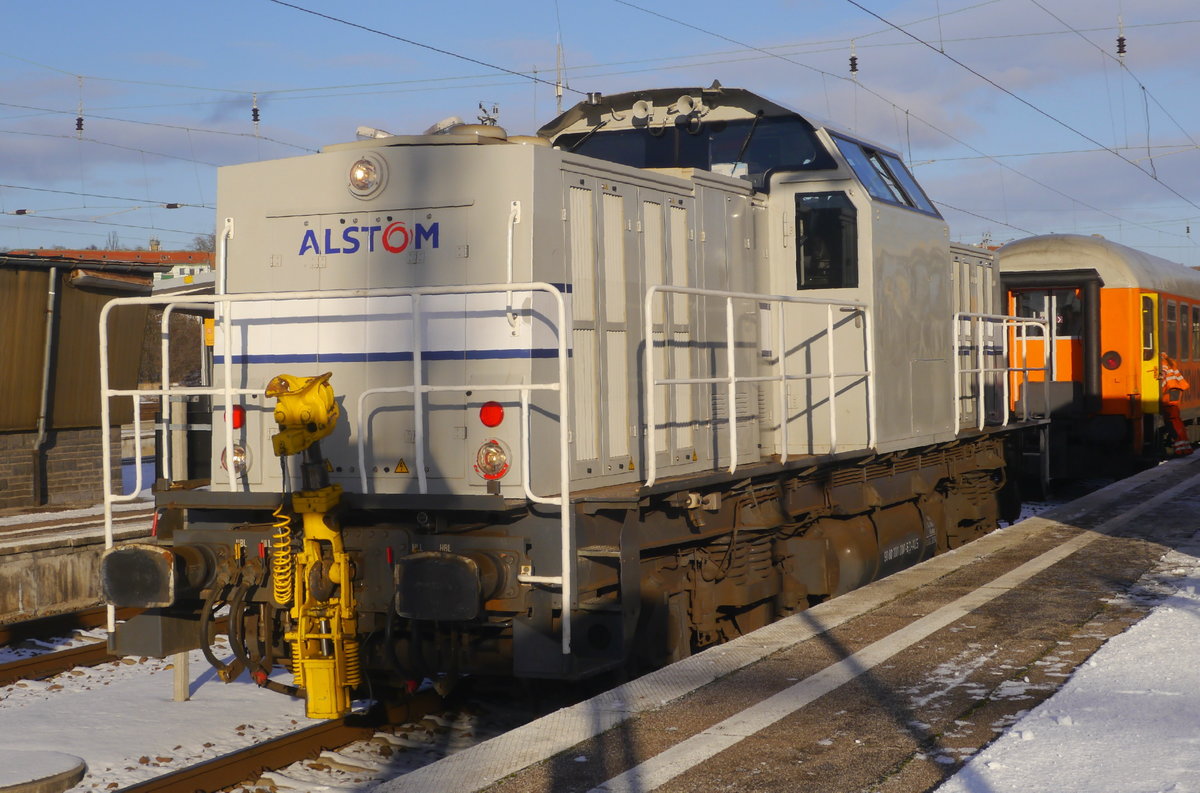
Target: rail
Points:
x,y
1001,325
225,394
781,377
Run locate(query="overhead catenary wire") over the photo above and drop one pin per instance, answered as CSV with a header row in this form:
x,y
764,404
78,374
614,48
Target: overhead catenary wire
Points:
x,y
174,204
158,124
1123,64
881,97
1046,114
430,47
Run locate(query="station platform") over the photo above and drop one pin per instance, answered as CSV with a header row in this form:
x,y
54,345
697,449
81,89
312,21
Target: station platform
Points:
x,y
50,559
892,687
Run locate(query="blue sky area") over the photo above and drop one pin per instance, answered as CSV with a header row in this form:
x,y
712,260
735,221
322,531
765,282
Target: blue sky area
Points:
x,y
1017,115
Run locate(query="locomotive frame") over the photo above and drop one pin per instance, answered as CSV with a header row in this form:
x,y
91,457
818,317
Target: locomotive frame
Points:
x,y
813,394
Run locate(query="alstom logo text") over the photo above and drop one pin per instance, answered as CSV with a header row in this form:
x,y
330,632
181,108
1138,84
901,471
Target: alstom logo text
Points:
x,y
393,238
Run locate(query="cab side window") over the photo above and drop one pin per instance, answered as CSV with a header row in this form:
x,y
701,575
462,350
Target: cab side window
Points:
x,y
826,241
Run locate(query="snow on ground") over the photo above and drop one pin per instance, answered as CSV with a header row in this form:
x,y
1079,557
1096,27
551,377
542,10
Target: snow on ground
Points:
x,y
121,718
1128,720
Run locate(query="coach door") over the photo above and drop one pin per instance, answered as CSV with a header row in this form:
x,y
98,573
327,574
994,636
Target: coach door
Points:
x,y
1148,368
1063,350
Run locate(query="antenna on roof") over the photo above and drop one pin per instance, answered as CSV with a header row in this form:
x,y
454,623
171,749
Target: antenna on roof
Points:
x,y
560,65
488,117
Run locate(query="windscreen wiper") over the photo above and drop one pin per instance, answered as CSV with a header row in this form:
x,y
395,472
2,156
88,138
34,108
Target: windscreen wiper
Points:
x,y
587,135
746,143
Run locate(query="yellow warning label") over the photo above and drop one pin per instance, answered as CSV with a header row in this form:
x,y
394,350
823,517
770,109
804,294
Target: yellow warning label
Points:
x,y
208,332
401,468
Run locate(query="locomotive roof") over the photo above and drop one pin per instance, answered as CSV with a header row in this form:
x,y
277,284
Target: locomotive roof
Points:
x,y
715,103
1118,265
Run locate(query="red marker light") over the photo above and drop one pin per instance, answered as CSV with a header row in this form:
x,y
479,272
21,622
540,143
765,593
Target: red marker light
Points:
x,y
390,557
239,417
491,414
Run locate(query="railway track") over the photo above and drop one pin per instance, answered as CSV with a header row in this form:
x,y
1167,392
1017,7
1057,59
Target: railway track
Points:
x,y
236,767
245,765
43,665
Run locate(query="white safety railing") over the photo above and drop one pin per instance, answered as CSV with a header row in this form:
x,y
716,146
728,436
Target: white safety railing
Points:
x,y
781,376
981,346
225,395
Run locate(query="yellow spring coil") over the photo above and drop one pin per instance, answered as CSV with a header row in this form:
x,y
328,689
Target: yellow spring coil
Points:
x,y
353,663
282,568
297,665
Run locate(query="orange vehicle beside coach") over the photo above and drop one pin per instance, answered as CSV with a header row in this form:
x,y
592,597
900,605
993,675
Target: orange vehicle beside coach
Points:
x,y
1114,309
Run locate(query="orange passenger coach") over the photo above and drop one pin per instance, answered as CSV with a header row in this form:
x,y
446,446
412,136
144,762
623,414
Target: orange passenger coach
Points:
x,y
1112,311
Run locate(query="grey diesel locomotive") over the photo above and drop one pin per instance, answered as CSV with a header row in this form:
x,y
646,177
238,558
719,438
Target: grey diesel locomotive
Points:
x,y
683,363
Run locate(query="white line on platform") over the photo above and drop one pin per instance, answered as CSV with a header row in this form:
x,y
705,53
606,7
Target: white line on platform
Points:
x,y
688,754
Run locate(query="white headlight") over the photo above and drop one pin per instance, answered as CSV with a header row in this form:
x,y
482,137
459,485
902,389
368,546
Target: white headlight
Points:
x,y
241,460
367,175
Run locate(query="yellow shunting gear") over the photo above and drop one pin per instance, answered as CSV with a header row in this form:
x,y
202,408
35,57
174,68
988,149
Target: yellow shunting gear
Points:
x,y
317,580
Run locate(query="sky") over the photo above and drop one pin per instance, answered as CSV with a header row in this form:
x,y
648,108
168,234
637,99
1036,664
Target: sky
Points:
x,y
1017,116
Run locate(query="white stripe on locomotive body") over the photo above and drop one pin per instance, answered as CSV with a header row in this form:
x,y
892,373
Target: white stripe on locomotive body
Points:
x,y
462,210
380,329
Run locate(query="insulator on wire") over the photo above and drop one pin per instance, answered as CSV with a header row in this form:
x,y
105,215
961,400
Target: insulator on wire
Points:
x,y
254,114
1120,45
79,123
854,64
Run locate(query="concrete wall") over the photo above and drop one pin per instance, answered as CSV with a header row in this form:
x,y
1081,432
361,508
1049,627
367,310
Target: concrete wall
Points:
x,y
55,572
74,474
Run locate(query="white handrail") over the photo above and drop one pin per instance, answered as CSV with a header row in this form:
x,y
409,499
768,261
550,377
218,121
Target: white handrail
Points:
x,y
227,393
782,377
1006,323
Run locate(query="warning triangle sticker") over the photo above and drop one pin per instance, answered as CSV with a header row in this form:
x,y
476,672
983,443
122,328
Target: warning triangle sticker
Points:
x,y
401,468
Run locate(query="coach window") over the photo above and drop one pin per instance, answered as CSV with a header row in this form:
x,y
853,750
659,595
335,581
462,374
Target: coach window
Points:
x,y
1185,332
826,241
1065,305
1196,331
1147,328
1171,329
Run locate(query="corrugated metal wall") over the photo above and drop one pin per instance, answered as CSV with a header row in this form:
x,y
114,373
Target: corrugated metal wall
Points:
x,y
76,382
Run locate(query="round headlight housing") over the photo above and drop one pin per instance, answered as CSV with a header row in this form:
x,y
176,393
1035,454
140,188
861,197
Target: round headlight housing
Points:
x,y
492,461
241,460
367,176
1111,360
